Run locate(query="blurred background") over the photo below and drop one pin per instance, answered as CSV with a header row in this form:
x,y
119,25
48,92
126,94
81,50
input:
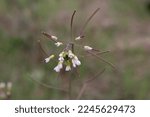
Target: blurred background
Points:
x,y
121,26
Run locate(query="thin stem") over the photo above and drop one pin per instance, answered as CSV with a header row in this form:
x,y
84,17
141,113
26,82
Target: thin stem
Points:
x,y
71,23
88,20
49,86
72,47
86,83
102,59
49,36
39,43
103,52
94,77
82,91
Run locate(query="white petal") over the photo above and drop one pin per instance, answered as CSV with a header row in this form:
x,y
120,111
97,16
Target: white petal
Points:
x,y
58,44
73,62
68,68
61,59
54,37
78,38
78,62
74,65
70,54
52,56
75,57
61,54
57,69
60,65
88,48
47,59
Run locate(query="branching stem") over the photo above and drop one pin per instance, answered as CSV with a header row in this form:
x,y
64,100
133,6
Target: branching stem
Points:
x,y
87,82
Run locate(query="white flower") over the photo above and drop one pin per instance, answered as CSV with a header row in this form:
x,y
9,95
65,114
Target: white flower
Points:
x,y
61,59
67,58
68,68
87,48
54,37
61,54
58,67
49,58
70,54
79,37
75,61
58,44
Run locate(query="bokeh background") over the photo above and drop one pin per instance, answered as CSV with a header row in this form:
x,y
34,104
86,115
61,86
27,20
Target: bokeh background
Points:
x,y
122,26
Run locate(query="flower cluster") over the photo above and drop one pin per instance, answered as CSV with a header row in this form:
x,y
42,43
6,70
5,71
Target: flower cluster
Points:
x,y
68,59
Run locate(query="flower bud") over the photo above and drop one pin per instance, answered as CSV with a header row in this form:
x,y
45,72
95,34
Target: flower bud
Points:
x,y
87,48
54,37
49,58
58,44
79,37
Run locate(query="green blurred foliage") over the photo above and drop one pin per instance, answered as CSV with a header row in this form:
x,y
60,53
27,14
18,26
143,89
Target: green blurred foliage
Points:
x,y
121,26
